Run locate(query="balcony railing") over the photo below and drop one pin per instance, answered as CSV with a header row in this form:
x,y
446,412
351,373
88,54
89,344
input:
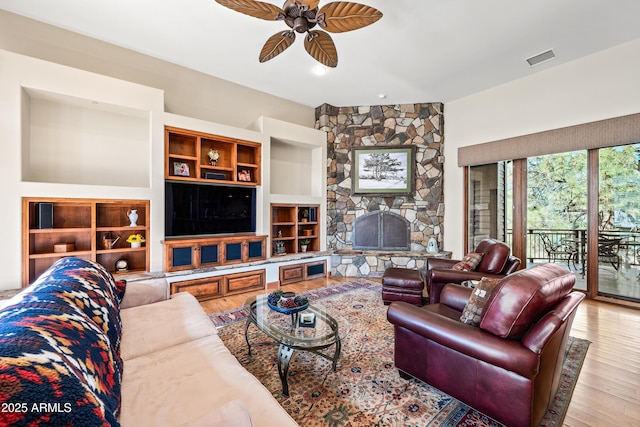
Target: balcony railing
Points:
x,y
629,247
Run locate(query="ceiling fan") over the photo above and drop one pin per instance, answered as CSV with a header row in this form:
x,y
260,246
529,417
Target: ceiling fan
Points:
x,y
303,15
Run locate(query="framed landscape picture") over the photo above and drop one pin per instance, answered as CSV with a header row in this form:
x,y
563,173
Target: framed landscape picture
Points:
x,y
383,170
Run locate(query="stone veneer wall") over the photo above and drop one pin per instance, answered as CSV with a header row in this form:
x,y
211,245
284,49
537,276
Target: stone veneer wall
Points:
x,y
421,125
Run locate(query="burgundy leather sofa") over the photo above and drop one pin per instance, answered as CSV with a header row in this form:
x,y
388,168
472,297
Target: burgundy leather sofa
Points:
x,y
496,262
509,366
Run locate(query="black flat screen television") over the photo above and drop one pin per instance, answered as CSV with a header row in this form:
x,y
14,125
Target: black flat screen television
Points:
x,y
205,209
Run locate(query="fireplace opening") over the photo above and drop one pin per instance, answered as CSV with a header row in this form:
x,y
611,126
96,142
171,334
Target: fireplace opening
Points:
x,y
381,230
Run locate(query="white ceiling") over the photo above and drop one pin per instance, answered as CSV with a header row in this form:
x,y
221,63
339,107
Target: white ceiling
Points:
x,y
420,51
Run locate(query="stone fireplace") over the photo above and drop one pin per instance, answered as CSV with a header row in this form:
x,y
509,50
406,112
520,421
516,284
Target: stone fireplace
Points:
x,y
422,212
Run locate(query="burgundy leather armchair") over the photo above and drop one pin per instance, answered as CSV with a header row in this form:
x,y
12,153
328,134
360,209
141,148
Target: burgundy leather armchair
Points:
x,y
509,366
496,263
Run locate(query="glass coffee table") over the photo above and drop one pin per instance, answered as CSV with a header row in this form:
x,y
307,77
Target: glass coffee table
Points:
x,y
289,335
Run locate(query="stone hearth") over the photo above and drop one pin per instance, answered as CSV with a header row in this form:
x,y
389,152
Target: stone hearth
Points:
x,y
350,263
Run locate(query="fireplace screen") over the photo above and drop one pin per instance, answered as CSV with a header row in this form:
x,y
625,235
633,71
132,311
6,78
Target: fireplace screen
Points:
x,y
381,231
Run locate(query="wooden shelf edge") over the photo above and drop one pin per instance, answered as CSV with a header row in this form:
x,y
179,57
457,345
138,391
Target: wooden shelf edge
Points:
x,y
119,250
59,230
219,168
122,228
58,254
182,157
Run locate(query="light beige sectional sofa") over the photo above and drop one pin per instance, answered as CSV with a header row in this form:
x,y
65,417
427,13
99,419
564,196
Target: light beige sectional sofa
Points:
x,y
177,371
78,348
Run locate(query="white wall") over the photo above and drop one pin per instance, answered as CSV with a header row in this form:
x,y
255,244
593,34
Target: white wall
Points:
x,y
287,161
187,92
596,87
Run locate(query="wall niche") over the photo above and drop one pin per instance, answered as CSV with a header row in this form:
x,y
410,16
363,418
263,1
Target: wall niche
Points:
x,y
71,140
421,125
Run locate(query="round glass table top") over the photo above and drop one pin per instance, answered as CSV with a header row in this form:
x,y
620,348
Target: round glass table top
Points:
x,y
311,328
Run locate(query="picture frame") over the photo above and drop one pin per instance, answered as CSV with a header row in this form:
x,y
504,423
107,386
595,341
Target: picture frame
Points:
x,y
244,175
180,169
383,171
307,320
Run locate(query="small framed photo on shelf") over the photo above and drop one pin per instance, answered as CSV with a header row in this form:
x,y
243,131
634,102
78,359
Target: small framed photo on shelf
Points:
x,y
307,320
244,175
180,169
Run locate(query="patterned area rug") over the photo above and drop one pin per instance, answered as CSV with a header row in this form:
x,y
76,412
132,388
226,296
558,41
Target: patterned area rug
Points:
x,y
366,390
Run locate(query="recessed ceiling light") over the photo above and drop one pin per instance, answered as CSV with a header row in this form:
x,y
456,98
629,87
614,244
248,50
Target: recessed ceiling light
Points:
x,y
319,70
382,95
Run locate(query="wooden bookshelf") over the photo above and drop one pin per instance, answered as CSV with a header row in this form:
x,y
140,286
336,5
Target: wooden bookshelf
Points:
x,y
293,225
79,227
187,158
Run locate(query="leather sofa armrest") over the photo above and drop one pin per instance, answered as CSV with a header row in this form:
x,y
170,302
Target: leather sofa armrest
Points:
x,y
511,266
439,275
435,262
437,278
455,296
538,336
469,340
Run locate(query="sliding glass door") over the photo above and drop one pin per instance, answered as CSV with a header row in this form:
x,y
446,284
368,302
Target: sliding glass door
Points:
x,y
557,211
618,250
488,199
579,209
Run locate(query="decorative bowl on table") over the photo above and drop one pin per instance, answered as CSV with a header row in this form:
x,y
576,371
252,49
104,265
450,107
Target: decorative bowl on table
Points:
x,y
287,302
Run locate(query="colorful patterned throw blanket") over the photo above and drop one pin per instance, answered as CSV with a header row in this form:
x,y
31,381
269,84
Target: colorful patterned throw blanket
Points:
x,y
60,361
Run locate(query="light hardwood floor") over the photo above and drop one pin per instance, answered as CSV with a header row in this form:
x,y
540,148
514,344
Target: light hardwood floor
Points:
x,y
608,389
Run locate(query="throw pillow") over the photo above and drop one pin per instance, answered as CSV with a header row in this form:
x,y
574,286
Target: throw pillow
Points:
x,y
469,283
472,312
469,262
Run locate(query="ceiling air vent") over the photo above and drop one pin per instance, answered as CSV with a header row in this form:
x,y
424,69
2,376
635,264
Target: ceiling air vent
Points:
x,y
545,56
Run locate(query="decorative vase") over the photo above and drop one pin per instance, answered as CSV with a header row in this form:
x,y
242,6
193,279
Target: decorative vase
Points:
x,y
136,244
133,217
432,246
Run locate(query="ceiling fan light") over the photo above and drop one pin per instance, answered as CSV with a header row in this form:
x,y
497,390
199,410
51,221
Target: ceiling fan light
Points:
x,y
319,70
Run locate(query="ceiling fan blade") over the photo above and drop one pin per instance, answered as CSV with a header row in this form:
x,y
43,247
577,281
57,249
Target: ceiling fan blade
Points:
x,y
321,47
257,9
276,44
339,17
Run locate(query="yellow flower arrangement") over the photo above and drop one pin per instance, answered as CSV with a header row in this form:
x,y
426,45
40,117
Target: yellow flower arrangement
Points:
x,y
135,238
